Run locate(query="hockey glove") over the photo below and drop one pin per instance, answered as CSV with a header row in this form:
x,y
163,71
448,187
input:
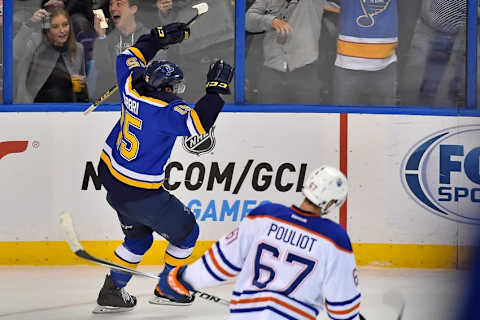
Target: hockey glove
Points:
x,y
219,76
172,286
171,33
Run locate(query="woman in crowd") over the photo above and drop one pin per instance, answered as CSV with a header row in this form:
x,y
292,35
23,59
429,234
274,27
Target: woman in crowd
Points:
x,y
81,14
49,64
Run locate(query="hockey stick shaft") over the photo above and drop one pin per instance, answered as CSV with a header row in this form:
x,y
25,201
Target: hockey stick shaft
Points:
x,y
85,255
71,237
201,9
193,19
104,97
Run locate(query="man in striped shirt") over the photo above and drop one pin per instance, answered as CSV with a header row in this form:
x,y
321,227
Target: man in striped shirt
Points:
x,y
436,56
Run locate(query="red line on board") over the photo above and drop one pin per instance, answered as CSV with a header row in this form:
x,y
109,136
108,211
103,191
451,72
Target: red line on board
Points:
x,y
343,162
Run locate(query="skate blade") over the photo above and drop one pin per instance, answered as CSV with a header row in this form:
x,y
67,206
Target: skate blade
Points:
x,y
108,309
167,302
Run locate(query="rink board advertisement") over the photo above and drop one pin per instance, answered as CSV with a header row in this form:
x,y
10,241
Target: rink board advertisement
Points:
x,y
245,160
414,181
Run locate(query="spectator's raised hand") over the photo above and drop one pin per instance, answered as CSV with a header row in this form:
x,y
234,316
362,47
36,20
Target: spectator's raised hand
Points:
x,y
54,3
164,5
39,15
281,27
97,26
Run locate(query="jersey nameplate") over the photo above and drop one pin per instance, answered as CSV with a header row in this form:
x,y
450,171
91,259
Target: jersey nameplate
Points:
x,y
130,104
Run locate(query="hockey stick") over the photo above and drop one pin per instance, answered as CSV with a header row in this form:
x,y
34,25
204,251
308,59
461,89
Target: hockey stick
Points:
x,y
66,224
201,9
104,97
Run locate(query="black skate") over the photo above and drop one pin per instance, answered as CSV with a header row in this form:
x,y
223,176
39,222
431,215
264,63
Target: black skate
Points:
x,y
112,299
159,298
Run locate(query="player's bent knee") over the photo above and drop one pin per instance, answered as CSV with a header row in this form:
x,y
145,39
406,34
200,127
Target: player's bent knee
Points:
x,y
191,238
139,245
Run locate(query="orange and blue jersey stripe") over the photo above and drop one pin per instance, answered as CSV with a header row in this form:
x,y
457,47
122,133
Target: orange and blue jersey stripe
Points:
x,y
217,265
343,310
251,301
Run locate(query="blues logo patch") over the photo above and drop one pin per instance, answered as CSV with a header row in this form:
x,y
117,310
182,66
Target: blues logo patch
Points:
x,y
370,9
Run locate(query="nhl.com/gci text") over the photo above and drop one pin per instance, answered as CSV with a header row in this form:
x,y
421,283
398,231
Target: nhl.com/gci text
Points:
x,y
231,177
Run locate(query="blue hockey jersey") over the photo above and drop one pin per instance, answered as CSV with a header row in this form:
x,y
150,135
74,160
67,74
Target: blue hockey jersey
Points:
x,y
139,145
368,34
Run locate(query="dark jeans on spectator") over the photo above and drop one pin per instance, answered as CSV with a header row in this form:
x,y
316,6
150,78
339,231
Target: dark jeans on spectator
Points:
x,y
358,87
433,74
300,86
439,53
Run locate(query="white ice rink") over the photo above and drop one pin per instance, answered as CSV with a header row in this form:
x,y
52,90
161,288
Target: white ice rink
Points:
x,y
55,293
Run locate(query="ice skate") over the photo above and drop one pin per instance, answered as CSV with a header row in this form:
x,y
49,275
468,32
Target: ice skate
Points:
x,y
161,299
112,299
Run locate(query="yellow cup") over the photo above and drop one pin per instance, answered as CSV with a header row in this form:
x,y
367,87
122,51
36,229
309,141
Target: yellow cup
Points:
x,y
78,83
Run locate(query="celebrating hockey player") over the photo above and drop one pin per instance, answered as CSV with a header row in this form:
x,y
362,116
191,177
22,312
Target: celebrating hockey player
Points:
x,y
137,149
287,260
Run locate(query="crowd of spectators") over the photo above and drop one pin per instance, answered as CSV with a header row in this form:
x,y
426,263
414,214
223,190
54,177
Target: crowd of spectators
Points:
x,y
359,52
342,52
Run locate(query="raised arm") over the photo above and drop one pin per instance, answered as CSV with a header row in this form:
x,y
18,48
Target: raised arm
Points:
x,y
160,38
137,56
219,76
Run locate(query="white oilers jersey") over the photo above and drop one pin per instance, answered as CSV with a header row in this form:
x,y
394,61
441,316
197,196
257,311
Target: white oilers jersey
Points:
x,y
288,264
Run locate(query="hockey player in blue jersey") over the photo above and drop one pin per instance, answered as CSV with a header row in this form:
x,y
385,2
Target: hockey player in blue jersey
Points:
x,y
289,262
137,149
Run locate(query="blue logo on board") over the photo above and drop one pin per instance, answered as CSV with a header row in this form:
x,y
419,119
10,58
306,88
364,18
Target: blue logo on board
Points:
x,y
442,173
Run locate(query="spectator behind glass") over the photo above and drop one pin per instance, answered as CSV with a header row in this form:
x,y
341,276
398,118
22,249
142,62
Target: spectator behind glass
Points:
x,y
110,43
365,69
290,49
208,41
81,13
437,56
328,45
49,64
24,9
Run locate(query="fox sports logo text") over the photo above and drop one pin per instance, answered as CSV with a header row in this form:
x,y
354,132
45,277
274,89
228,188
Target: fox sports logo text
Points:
x,y
442,173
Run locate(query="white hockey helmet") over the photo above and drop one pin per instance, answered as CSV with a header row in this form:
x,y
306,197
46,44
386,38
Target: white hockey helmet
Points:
x,y
325,184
